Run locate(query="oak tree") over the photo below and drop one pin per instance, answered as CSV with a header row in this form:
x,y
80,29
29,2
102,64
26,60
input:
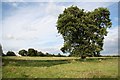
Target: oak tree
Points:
x,y
83,32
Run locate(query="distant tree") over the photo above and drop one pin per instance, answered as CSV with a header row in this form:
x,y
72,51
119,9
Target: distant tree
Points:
x,y
32,52
10,53
40,54
23,52
1,51
48,55
36,53
83,32
69,55
3,54
53,55
59,55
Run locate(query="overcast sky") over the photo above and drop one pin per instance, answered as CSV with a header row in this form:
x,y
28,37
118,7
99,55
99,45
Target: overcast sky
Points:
x,y
33,25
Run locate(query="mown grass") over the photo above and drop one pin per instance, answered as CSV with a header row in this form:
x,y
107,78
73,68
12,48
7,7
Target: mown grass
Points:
x,y
59,67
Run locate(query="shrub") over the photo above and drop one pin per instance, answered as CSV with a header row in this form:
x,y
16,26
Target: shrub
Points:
x,y
32,52
23,52
10,53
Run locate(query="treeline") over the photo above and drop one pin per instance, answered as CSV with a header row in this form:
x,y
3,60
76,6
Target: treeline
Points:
x,y
32,52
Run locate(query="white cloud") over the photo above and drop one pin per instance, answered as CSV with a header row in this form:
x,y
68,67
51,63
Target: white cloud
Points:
x,y
111,42
93,5
60,1
30,27
13,0
35,26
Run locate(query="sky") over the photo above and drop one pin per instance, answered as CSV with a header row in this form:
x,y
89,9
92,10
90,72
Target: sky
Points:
x,y
33,25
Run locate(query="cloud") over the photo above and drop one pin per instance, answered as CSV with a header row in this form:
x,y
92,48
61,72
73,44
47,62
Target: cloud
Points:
x,y
60,1
13,1
89,6
111,42
116,19
15,4
33,25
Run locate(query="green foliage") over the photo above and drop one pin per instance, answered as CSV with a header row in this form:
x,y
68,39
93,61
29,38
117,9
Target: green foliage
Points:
x,y
48,55
40,54
59,55
32,52
10,53
3,54
23,52
1,51
83,32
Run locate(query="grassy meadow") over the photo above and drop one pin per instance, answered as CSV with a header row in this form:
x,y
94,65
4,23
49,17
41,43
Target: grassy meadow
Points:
x,y
59,67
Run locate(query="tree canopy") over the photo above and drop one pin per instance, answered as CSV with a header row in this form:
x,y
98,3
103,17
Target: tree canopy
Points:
x,y
10,53
32,52
83,32
23,52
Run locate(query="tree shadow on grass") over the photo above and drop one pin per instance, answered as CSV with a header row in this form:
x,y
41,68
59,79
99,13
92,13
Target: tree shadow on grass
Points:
x,y
33,63
43,63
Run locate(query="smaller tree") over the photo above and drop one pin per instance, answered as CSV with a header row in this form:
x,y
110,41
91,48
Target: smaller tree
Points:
x,y
48,55
59,55
32,52
53,55
1,51
23,52
40,54
3,54
10,53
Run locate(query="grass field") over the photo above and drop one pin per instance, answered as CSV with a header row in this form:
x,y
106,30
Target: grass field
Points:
x,y
59,67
